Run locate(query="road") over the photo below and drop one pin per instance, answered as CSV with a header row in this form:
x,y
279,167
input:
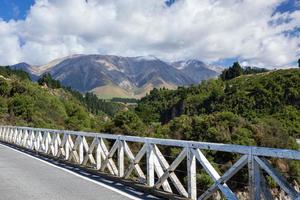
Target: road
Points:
x,y
23,177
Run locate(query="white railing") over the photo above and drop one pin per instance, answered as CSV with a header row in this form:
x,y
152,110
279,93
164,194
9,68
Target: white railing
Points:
x,y
92,150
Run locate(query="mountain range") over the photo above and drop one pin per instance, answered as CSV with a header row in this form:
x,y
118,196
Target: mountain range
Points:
x,y
115,76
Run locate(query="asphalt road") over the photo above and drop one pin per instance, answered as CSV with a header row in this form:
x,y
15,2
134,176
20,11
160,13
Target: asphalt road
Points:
x,y
26,178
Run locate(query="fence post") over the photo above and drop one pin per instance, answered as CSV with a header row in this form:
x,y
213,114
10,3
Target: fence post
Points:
x,y
1,133
10,135
98,155
14,140
56,146
67,147
121,158
80,150
150,165
5,134
191,172
254,177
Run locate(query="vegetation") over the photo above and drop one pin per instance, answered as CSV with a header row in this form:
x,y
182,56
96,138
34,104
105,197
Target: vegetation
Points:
x,y
125,100
96,105
253,70
247,106
46,79
236,70
232,72
90,100
25,103
257,109
127,123
256,99
7,71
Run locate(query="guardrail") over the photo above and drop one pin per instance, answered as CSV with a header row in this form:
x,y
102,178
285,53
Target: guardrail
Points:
x,y
92,149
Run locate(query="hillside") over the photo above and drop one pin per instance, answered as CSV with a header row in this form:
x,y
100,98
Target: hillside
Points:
x,y
266,103
260,109
25,103
126,76
110,91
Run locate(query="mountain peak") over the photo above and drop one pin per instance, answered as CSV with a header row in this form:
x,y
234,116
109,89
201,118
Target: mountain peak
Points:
x,y
131,75
21,65
189,63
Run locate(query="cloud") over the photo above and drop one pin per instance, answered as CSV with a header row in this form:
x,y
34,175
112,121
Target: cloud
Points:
x,y
209,30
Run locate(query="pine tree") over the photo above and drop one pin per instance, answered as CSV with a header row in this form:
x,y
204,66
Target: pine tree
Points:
x,y
232,72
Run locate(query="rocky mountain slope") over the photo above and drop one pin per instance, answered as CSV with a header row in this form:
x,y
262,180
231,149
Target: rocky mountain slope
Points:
x,y
115,76
196,70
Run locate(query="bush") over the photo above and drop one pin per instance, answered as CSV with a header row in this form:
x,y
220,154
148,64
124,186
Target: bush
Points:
x,y
127,122
78,119
4,87
22,106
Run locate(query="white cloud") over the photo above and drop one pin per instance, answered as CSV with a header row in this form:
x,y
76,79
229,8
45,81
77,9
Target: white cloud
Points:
x,y
208,29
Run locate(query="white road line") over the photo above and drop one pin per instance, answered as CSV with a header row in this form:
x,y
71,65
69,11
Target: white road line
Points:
x,y
75,174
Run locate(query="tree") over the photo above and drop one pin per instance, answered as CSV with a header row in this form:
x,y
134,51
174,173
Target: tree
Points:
x,y
237,69
254,70
49,81
9,71
299,62
232,72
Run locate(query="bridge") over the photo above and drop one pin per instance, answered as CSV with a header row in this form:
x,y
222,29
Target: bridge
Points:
x,y
136,166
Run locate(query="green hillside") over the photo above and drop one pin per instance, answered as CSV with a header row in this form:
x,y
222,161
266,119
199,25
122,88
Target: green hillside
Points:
x,y
261,109
25,103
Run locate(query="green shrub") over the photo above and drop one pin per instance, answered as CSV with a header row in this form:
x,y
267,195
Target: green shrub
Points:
x,y
4,87
21,106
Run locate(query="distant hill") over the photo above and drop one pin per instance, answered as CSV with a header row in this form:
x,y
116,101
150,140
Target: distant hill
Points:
x,y
115,76
197,70
27,68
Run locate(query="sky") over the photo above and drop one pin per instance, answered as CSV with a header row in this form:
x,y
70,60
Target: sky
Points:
x,y
262,33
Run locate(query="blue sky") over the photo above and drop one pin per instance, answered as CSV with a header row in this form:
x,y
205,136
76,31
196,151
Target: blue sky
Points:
x,y
14,9
199,36
288,6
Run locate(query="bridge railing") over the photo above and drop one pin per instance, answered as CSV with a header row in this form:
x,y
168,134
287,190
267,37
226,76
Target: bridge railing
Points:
x,y
113,154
